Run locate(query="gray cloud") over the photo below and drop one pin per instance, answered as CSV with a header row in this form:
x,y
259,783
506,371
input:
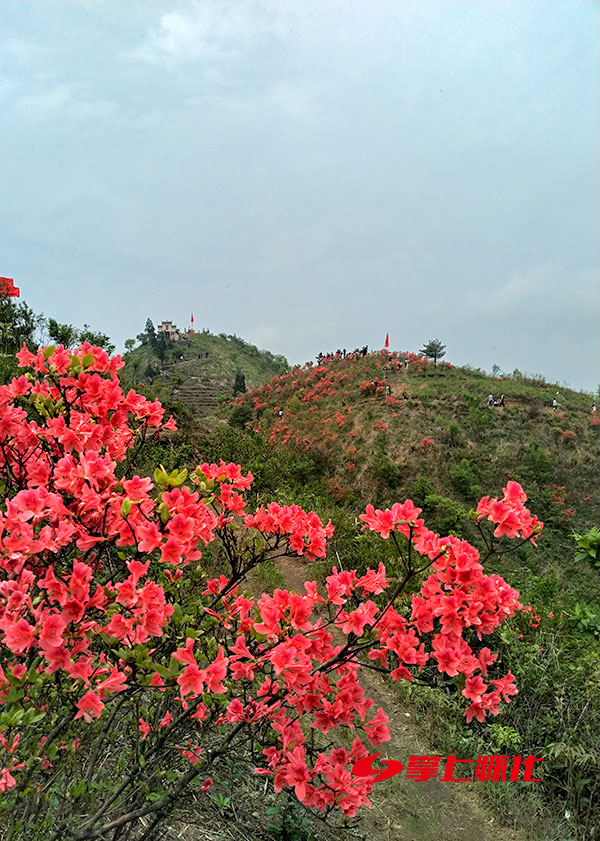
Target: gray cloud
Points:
x,y
310,175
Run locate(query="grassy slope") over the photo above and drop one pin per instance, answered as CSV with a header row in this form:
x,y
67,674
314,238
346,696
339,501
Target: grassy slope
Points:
x,y
474,448
226,356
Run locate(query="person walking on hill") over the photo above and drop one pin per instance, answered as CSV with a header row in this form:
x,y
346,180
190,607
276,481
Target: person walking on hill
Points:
x,y
554,404
501,401
490,399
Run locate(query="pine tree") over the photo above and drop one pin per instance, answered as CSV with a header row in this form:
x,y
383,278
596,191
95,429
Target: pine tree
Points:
x,y
239,386
151,333
434,349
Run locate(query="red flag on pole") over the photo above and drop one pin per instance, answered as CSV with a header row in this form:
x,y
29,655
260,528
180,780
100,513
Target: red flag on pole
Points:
x,y
192,318
387,340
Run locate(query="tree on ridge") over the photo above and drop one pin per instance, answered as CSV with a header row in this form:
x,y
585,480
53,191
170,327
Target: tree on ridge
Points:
x,y
434,349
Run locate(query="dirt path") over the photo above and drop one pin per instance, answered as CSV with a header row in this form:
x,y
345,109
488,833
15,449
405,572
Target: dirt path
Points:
x,y
403,810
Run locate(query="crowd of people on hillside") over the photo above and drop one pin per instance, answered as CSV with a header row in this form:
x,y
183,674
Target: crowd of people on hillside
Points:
x,y
393,361
343,354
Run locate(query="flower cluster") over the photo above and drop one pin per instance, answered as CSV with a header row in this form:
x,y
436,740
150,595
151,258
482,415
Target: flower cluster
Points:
x,y
307,535
456,597
510,515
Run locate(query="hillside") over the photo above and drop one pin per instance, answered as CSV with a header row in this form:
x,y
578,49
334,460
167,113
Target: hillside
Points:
x,y
199,369
434,434
332,438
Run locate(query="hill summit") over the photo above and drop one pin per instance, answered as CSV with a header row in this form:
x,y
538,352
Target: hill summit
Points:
x,y
200,369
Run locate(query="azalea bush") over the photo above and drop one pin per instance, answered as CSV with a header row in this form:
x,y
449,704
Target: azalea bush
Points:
x,y
128,672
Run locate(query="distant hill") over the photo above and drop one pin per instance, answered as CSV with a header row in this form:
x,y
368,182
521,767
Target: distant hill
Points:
x,y
198,369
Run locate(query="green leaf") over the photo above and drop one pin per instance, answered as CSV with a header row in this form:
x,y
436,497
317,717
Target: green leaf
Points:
x,y
175,667
160,476
142,659
78,789
161,670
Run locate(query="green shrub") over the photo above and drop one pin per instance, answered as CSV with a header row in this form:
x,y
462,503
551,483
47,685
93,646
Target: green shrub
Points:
x,y
421,489
537,463
589,547
462,476
385,469
288,821
446,514
478,418
453,434
240,417
469,398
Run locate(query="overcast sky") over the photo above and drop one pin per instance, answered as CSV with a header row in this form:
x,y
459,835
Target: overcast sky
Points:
x,y
310,175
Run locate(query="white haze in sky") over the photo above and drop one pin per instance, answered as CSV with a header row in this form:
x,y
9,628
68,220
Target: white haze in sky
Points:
x,y
310,175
